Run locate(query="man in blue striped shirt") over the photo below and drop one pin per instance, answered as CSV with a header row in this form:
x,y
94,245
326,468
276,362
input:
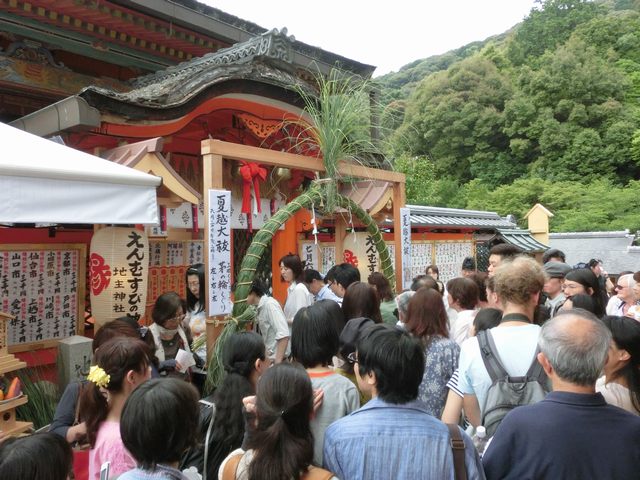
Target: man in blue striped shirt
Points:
x,y
392,436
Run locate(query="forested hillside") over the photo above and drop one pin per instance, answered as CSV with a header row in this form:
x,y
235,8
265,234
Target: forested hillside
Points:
x,y
548,112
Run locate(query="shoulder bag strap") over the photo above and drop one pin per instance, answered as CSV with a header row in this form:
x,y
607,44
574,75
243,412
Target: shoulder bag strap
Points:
x,y
535,370
489,355
76,419
207,438
316,473
231,467
457,447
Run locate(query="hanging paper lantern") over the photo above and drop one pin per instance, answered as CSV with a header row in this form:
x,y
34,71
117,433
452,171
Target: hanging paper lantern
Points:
x,y
118,272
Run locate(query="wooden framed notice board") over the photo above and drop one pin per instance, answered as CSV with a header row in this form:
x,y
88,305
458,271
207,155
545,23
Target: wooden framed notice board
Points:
x,y
43,287
168,263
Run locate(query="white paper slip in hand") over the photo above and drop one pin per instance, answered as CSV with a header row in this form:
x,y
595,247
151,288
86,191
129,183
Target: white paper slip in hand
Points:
x,y
185,359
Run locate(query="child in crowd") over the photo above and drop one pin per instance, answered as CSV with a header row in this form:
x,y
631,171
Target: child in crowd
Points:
x,y
159,423
121,365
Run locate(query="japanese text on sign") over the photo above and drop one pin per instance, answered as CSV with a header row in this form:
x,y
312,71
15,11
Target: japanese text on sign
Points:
x,y
405,240
40,289
219,236
309,255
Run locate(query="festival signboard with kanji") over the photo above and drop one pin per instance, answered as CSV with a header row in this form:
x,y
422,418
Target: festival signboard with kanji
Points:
x,y
405,240
42,286
168,263
219,275
309,255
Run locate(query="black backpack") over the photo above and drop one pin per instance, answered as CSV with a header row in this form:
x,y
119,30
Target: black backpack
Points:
x,y
507,393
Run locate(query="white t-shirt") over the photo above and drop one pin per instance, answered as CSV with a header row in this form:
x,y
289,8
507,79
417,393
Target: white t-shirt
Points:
x,y
616,394
461,325
614,306
516,347
297,297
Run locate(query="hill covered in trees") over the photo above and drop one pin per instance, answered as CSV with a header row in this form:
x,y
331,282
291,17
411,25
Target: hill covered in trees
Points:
x,y
548,112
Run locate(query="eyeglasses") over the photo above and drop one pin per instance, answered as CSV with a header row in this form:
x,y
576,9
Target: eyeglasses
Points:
x,y
352,358
177,319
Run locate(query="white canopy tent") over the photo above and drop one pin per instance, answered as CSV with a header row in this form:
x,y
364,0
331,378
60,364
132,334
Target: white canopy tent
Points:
x,y
45,182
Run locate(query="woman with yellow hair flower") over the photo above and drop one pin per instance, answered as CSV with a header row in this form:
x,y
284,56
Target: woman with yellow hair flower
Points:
x,y
121,365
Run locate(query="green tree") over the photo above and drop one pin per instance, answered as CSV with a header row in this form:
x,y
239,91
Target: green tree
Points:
x,y
571,110
550,114
598,206
456,117
548,26
420,175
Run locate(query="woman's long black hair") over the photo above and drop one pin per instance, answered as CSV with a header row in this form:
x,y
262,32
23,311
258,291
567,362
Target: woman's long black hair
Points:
x,y
626,333
588,279
282,442
239,357
192,301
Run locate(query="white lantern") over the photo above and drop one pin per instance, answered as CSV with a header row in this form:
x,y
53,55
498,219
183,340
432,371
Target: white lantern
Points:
x,y
119,269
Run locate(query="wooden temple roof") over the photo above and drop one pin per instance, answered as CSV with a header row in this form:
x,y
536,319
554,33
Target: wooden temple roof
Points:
x,y
145,34
263,60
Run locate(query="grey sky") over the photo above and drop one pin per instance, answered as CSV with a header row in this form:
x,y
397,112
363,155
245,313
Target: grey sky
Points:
x,y
382,33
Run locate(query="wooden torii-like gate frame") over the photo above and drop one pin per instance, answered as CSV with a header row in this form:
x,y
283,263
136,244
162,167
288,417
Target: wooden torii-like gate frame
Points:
x,y
214,152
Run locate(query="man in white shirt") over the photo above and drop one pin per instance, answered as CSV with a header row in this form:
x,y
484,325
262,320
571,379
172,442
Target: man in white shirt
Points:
x,y
271,322
518,284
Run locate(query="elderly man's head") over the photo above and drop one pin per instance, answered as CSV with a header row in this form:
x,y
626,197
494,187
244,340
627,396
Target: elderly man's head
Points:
x,y
625,288
574,347
402,301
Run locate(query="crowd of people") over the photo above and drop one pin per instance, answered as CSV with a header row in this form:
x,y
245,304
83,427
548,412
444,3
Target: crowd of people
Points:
x,y
346,380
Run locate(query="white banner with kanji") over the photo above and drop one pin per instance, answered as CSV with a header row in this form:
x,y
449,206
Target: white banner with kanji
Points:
x,y
219,252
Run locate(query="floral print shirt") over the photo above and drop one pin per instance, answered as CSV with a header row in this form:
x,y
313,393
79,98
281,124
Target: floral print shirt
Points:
x,y
441,360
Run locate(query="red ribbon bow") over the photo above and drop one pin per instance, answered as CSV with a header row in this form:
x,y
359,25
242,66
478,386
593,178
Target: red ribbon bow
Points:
x,y
251,172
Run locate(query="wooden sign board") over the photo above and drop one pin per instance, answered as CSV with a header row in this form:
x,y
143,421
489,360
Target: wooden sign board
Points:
x,y
43,287
168,263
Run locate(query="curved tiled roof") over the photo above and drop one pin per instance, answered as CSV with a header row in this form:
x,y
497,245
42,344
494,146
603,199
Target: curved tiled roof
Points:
x,y
422,216
264,59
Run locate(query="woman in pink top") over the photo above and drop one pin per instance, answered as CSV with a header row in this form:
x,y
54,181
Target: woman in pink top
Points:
x,y
121,365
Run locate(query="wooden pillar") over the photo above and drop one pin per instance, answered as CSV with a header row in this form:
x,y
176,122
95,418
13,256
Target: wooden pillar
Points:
x,y
340,234
212,167
399,200
284,242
